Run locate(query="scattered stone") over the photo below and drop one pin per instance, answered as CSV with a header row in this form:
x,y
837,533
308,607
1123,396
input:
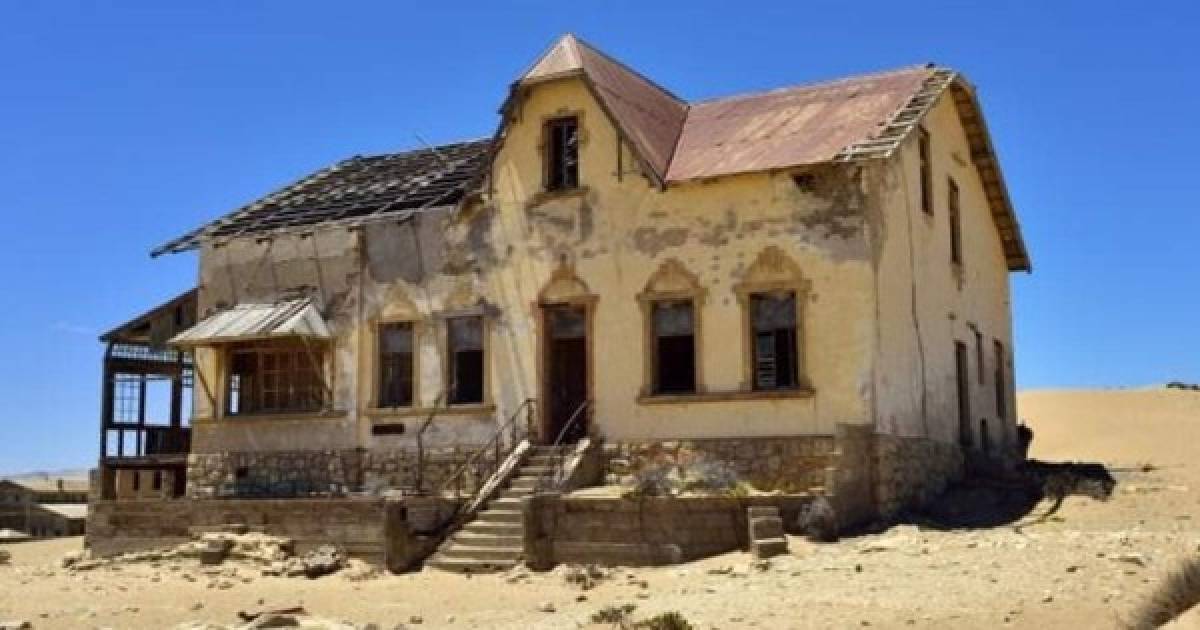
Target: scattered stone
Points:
x,y
250,614
416,620
16,625
546,607
1132,557
5,557
323,560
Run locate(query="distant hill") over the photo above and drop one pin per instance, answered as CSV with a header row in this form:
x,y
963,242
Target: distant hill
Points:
x,y
46,475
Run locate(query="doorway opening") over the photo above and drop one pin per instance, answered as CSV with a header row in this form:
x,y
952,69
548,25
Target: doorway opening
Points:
x,y
566,372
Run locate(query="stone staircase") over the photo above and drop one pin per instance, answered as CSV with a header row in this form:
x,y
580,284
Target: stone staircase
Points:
x,y
494,539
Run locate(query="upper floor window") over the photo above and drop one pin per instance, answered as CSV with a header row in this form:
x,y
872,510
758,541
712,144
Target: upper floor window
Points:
x,y
562,153
926,170
955,224
674,347
464,352
275,377
396,364
774,343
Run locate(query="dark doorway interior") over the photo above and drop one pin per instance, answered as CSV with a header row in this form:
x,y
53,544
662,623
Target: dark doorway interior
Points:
x,y
566,372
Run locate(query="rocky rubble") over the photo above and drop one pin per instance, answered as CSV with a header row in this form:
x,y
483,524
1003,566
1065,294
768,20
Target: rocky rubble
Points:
x,y
274,555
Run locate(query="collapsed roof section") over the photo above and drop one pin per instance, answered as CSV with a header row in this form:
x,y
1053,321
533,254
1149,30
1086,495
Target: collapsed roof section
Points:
x,y
354,191
853,119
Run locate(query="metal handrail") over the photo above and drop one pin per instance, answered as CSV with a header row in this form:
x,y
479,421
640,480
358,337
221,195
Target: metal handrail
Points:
x,y
493,443
556,469
420,480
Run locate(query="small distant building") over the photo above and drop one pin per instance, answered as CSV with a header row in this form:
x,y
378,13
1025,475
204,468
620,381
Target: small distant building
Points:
x,y
42,510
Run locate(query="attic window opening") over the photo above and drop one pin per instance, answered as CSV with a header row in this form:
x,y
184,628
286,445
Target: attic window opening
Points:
x,y
955,224
562,153
805,182
464,345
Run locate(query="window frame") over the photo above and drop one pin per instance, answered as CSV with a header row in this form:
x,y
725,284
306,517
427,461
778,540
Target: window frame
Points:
x,y
653,383
548,151
377,384
448,367
954,210
671,282
925,165
752,340
1000,372
774,271
315,354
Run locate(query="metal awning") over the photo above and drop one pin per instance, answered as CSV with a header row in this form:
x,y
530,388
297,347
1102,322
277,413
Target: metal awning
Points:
x,y
248,322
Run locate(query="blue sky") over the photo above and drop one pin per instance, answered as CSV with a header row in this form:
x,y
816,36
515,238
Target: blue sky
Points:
x,y
123,126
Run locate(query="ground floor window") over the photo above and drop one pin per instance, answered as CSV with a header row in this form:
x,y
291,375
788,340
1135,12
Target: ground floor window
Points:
x,y
674,347
396,365
275,377
774,343
464,352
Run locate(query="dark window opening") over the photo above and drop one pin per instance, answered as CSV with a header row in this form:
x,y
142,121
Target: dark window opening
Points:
x,y
396,364
985,440
955,225
773,325
926,172
276,377
674,348
1001,387
137,480
465,351
962,378
979,356
562,154
157,480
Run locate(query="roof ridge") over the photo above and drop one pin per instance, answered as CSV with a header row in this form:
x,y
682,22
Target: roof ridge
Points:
x,y
815,84
426,148
628,68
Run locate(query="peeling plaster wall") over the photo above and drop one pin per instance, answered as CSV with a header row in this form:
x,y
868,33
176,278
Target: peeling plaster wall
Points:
x,y
616,233
947,303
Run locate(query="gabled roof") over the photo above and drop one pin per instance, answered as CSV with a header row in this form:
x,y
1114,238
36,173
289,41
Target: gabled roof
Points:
x,y
357,190
647,116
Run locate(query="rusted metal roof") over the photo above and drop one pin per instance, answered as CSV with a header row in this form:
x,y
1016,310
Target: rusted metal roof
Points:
x,y
357,190
245,322
807,124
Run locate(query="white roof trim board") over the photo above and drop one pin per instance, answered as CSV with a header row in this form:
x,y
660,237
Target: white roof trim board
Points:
x,y
246,322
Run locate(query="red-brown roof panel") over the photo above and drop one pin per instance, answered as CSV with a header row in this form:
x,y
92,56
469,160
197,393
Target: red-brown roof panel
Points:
x,y
807,124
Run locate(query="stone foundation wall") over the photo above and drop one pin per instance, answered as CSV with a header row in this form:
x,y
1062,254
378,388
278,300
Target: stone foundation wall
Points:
x,y
646,531
336,472
785,464
386,532
911,472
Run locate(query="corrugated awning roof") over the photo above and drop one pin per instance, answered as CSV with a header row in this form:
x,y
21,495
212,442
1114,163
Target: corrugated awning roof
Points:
x,y
247,322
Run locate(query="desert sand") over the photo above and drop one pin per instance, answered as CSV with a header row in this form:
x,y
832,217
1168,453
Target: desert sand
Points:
x,y
1085,566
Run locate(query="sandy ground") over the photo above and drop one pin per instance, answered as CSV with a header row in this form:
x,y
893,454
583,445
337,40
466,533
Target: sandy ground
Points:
x,y
1085,567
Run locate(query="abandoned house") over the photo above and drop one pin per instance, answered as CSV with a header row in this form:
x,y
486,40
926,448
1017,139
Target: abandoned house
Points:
x,y
803,290
43,507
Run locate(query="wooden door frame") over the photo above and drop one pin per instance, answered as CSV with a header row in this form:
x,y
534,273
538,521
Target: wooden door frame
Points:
x,y
541,308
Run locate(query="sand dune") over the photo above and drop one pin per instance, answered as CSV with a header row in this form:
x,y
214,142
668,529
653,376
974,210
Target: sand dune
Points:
x,y
1125,427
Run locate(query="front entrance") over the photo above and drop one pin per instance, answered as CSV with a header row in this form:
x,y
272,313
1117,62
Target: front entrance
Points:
x,y
565,372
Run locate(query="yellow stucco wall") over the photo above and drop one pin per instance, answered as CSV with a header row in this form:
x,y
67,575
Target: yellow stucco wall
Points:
x,y
923,296
846,240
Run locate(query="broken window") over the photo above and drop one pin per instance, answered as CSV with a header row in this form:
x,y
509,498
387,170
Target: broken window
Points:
x,y
674,347
773,326
464,349
396,364
926,171
955,224
562,153
275,377
1001,387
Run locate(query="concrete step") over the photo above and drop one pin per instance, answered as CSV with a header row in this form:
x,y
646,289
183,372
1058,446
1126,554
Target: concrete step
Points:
x,y
482,554
493,515
461,565
483,539
507,504
495,528
534,471
542,460
514,493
